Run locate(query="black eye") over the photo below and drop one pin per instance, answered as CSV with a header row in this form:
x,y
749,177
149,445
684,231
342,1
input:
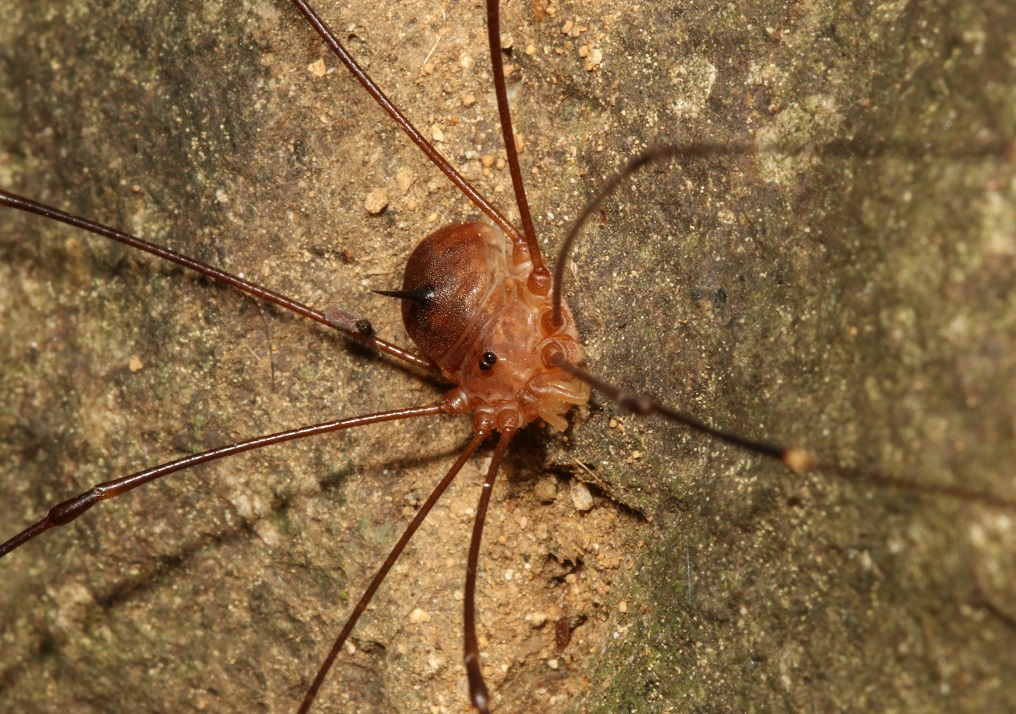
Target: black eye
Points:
x,y
488,360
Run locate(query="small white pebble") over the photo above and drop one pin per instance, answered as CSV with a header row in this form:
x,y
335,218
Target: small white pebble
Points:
x,y
866,561
404,177
244,505
268,533
377,201
318,69
419,615
581,497
546,489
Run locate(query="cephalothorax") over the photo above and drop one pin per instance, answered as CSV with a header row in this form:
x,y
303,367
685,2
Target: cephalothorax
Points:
x,y
468,306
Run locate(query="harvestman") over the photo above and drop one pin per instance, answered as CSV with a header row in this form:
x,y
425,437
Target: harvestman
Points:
x,y
423,294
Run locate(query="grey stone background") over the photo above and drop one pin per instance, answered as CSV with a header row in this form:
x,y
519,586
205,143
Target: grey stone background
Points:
x,y
854,296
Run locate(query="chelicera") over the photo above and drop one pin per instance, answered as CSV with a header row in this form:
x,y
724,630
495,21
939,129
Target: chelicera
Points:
x,y
480,360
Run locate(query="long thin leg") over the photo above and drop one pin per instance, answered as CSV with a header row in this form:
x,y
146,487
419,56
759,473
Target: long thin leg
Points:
x,y
477,689
539,279
368,595
795,459
706,149
358,330
393,111
659,153
63,513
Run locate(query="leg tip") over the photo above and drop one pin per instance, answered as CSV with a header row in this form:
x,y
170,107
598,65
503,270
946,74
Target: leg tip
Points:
x,y
798,460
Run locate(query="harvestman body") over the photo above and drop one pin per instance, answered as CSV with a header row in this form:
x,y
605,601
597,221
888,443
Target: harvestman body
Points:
x,y
480,306
470,354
